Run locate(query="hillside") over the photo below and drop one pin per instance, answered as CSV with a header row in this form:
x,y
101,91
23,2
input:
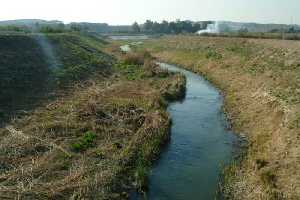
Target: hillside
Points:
x,y
33,65
260,80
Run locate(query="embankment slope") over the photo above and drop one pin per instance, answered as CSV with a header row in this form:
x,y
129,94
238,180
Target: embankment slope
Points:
x,y
35,65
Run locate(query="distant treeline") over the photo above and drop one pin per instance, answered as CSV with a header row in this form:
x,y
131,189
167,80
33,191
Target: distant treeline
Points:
x,y
59,27
149,27
178,26
174,27
288,30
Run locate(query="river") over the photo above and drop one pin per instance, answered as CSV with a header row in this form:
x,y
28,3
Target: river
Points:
x,y
190,166
201,144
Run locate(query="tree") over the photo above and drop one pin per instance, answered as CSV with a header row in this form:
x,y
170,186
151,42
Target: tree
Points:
x,y
173,27
148,26
156,27
291,30
136,27
176,27
165,27
75,27
196,27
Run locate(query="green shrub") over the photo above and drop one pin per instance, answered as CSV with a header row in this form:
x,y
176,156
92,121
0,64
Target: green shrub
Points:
x,y
85,142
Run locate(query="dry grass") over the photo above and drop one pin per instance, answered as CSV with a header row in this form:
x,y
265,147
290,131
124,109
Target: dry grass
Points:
x,y
261,81
115,124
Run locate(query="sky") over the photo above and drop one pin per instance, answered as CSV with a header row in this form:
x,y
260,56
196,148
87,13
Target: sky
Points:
x,y
123,12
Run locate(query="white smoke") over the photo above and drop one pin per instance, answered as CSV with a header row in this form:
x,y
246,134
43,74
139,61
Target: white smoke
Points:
x,y
211,28
51,58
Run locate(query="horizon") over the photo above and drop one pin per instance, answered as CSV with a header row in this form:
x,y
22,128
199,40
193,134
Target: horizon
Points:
x,y
117,12
100,22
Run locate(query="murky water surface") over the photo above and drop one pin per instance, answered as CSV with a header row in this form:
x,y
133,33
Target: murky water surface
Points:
x,y
129,37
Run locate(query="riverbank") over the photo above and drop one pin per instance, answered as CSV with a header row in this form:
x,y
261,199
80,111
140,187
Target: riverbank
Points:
x,y
260,81
95,142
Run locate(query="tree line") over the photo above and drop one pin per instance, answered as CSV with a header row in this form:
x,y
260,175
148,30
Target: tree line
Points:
x,y
166,27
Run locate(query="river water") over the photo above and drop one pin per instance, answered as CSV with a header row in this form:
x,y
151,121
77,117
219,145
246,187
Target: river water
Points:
x,y
201,144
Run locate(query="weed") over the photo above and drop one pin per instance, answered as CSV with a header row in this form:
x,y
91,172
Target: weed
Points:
x,y
141,175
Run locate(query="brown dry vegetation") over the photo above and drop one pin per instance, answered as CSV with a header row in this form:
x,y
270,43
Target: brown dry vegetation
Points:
x,y
261,81
95,143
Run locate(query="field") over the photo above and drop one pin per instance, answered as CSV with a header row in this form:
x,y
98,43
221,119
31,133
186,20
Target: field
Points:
x,y
97,135
260,80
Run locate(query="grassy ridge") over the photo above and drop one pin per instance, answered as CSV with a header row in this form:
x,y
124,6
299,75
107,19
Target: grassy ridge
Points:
x,y
261,81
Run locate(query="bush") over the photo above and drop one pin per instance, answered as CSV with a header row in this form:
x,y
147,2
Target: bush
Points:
x,y
85,142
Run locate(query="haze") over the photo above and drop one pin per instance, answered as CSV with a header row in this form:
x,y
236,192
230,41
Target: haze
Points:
x,y
126,12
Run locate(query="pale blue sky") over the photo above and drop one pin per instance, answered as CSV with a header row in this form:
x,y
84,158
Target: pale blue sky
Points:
x,y
128,11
